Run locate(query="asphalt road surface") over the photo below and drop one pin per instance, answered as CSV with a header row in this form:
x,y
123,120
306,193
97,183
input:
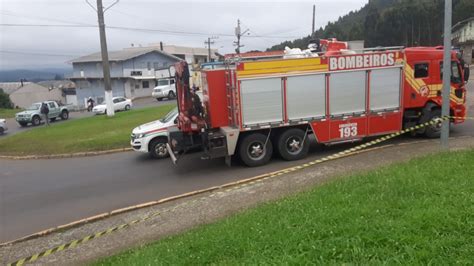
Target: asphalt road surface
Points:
x,y
39,194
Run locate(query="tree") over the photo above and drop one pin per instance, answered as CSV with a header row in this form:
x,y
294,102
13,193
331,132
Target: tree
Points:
x,y
5,101
391,23
371,25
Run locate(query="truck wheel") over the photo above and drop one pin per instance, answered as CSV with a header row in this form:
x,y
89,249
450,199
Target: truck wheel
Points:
x,y
171,95
434,131
252,150
291,146
35,120
127,107
2,130
157,148
64,115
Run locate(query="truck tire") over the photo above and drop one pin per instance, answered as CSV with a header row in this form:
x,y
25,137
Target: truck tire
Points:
x,y
252,151
434,131
2,130
291,146
64,115
127,107
157,148
36,120
171,95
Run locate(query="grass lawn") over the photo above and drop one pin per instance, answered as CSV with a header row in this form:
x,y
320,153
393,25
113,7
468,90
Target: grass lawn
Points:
x,y
86,134
421,212
9,113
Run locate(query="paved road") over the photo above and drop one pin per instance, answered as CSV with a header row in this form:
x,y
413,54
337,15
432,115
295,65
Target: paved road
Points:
x,y
39,194
14,128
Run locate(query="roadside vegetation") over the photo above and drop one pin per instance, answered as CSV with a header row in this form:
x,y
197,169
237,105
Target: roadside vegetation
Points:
x,y
8,113
86,134
420,212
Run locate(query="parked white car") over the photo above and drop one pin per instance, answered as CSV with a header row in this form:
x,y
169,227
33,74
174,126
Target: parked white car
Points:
x,y
3,126
164,89
152,137
120,104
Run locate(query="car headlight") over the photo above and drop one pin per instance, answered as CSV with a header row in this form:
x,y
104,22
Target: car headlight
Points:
x,y
139,136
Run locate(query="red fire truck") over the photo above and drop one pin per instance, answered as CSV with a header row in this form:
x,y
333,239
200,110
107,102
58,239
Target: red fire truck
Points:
x,y
257,108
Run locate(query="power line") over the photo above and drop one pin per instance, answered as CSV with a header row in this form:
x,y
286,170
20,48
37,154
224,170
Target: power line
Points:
x,y
47,25
170,32
36,53
18,15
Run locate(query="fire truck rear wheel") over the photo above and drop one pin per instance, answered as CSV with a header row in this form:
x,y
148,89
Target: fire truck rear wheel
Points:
x,y
291,145
253,151
434,131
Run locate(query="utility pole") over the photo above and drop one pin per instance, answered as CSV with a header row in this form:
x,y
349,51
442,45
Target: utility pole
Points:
x,y
105,55
239,34
208,43
314,16
446,73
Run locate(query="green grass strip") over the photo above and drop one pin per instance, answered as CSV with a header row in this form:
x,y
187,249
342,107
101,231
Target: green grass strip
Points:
x,y
95,133
420,212
8,113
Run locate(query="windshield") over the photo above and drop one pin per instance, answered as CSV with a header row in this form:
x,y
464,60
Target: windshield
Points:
x,y
169,116
163,82
34,106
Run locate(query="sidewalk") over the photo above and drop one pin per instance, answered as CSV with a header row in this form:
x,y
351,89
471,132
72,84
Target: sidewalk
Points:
x,y
181,215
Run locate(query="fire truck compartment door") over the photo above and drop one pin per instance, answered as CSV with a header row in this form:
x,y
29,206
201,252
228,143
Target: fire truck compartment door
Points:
x,y
261,101
385,86
306,96
347,92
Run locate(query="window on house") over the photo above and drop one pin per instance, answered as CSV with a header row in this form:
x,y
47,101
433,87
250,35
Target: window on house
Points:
x,y
148,65
421,70
156,65
146,84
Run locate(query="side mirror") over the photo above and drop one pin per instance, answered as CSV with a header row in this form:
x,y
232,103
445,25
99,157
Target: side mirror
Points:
x,y
466,73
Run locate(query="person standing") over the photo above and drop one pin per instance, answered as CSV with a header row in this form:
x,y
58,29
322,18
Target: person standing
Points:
x,y
45,111
90,104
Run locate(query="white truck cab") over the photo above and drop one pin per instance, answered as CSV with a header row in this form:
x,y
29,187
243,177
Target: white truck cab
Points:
x,y
165,89
152,137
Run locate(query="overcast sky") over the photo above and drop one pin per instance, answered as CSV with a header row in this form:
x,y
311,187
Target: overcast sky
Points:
x,y
186,23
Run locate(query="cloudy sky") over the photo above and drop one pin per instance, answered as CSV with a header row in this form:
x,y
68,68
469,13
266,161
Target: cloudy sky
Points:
x,y
41,43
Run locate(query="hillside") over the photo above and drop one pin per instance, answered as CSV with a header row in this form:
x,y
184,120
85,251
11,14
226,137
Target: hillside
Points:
x,y
32,75
391,22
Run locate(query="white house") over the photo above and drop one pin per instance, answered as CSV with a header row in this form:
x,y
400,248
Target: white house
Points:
x,y
463,36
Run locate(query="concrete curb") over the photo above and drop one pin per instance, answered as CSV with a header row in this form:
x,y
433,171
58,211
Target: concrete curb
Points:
x,y
62,156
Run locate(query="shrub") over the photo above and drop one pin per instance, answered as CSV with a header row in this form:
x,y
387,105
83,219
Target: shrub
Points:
x,y
5,101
